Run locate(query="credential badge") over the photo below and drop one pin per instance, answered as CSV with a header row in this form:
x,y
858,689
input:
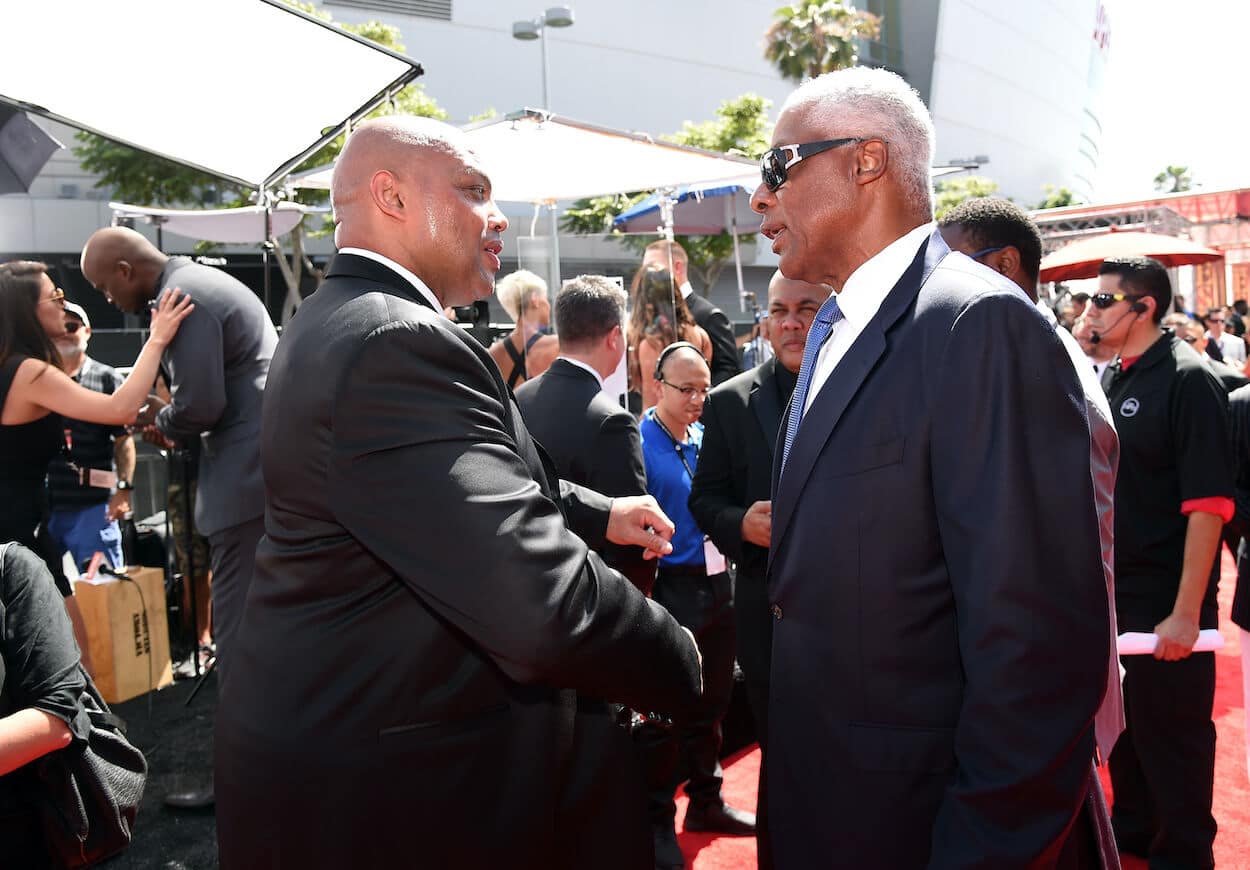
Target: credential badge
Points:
x,y
1130,407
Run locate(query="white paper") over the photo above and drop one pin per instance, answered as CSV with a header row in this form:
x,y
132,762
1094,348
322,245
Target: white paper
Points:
x,y
1138,643
713,558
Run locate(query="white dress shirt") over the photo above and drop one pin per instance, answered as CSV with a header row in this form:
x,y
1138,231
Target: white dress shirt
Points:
x,y
412,279
861,298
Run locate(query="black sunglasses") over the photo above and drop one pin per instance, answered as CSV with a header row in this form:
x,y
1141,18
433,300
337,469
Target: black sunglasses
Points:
x,y
1103,301
72,326
775,165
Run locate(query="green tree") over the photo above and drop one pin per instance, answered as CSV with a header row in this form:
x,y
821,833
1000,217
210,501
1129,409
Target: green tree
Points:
x,y
951,192
817,36
740,128
1174,179
145,179
1058,197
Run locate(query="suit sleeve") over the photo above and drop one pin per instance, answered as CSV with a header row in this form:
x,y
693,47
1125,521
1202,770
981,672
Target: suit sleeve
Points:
x,y
419,417
197,377
1011,476
712,501
617,471
724,350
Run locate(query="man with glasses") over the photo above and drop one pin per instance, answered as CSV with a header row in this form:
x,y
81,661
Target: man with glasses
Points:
x,y
1232,349
693,584
937,658
731,494
89,485
1173,495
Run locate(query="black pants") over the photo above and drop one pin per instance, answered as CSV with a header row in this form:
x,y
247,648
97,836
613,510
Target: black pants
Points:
x,y
705,606
233,552
1163,766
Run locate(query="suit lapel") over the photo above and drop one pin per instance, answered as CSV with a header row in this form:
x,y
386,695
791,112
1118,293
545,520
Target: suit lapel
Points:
x,y
844,382
766,403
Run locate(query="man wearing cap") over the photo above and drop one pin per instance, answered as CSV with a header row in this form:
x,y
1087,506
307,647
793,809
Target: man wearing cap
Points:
x,y
89,484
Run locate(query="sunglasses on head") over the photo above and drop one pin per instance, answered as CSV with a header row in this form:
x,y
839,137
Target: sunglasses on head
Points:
x,y
1103,301
777,162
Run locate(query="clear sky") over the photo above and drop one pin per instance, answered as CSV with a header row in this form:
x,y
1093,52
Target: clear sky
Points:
x,y
1175,92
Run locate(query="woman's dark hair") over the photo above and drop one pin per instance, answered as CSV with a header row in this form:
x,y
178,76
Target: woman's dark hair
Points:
x,y
21,333
668,319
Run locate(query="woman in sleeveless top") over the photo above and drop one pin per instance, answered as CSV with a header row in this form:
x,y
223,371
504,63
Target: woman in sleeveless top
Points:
x,y
658,317
528,350
35,394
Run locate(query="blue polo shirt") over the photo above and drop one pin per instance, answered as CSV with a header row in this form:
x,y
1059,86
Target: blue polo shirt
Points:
x,y
669,482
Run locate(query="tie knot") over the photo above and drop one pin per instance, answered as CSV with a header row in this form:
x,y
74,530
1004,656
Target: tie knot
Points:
x,y
829,312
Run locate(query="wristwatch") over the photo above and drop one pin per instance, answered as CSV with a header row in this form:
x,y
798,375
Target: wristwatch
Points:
x,y
123,485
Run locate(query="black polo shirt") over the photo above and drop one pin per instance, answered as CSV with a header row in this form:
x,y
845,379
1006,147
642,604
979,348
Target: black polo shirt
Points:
x,y
1171,414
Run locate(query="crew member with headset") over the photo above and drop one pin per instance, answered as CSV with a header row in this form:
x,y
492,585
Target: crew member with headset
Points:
x,y
692,583
1173,495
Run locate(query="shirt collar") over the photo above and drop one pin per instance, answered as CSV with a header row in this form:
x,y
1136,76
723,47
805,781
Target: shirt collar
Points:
x,y
417,283
868,285
686,290
582,365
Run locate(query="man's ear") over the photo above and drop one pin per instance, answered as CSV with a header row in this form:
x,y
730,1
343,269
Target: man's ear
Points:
x,y
1008,261
871,159
386,195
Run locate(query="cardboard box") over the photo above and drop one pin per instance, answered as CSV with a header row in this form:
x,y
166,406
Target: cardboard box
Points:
x,y
127,633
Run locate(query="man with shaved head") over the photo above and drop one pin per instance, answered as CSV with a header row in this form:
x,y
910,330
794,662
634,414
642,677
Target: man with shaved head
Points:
x,y
217,367
425,639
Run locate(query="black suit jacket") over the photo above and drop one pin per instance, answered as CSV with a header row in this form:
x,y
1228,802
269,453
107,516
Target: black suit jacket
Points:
x,y
938,657
421,614
594,442
725,361
740,422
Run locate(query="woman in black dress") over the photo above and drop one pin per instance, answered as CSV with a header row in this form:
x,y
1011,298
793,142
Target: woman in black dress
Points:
x,y
35,393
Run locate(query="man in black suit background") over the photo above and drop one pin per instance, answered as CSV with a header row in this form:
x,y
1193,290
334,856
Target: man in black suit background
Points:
x,y
592,440
423,623
672,256
730,497
937,659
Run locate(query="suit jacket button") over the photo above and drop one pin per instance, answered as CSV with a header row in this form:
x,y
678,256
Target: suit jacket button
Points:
x,y
776,609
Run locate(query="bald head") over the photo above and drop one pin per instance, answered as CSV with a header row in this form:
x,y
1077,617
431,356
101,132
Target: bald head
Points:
x,y
124,266
412,190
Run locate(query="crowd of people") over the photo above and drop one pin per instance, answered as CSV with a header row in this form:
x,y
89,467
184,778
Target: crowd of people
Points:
x,y
470,610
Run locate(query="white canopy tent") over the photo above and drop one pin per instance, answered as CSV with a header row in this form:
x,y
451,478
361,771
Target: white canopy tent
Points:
x,y
247,116
224,225
534,156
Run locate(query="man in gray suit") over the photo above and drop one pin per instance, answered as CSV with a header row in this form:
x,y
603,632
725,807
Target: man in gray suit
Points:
x,y
217,378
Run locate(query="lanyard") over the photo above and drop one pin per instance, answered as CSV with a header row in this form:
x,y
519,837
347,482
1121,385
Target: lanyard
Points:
x,y
677,446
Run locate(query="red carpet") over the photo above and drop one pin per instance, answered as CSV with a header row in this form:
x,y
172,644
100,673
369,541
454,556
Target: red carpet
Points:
x,y
1232,790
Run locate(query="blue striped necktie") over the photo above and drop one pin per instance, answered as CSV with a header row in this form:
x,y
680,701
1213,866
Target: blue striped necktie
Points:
x,y
822,326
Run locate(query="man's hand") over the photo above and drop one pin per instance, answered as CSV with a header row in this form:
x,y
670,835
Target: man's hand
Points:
x,y
637,521
147,414
1177,636
757,524
119,505
152,435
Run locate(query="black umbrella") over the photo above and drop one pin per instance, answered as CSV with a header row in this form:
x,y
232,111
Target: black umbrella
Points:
x,y
24,149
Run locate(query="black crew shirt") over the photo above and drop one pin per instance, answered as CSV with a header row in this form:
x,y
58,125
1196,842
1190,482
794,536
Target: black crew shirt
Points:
x,y
1171,414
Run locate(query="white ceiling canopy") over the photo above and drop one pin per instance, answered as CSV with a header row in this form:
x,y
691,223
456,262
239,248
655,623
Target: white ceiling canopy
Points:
x,y
225,225
227,86
532,156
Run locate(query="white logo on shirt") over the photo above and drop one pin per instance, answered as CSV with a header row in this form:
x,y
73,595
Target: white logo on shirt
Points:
x,y
1130,408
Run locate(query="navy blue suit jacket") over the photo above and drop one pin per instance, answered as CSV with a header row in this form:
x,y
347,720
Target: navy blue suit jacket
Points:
x,y
941,640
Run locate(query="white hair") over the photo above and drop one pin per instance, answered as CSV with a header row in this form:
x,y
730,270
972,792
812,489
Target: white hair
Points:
x,y
518,289
881,104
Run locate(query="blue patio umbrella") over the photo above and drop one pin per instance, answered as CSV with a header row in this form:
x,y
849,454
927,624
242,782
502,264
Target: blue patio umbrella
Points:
x,y
698,210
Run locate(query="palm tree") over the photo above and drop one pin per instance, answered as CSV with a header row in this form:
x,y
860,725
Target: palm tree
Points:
x,y
817,36
1174,179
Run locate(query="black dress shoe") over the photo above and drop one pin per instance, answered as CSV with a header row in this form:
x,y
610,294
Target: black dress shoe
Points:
x,y
667,853
192,799
721,819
